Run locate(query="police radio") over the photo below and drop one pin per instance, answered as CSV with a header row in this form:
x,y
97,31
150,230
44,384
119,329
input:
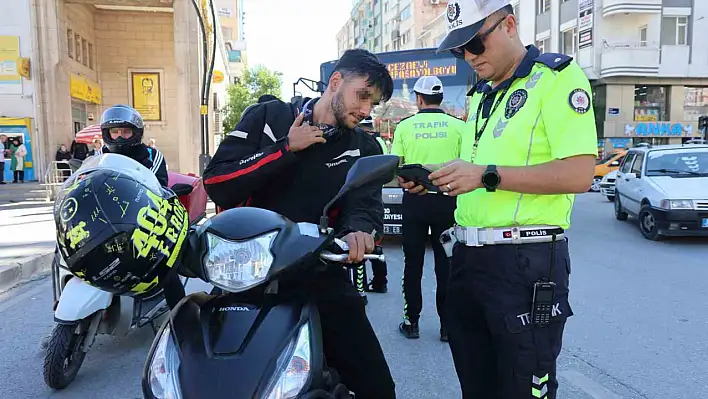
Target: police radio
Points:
x,y
544,294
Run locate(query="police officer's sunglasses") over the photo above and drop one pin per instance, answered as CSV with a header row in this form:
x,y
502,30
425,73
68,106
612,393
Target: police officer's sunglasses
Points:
x,y
476,45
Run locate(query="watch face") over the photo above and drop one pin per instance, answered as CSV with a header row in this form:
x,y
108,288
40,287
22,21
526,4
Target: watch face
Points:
x,y
490,179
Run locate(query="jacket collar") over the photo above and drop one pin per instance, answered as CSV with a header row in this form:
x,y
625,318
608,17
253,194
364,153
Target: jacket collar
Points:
x,y
431,111
522,71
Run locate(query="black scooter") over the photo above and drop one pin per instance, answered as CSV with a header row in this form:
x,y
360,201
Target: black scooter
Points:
x,y
252,341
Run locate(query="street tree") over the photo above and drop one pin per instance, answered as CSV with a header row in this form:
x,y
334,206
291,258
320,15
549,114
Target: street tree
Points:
x,y
254,83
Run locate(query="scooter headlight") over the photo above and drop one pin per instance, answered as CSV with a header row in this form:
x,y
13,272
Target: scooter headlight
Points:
x,y
162,374
238,265
293,368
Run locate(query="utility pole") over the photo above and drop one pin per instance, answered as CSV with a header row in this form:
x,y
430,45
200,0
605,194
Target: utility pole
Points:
x,y
205,9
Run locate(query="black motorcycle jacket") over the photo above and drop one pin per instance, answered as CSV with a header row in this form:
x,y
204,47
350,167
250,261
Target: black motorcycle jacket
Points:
x,y
254,166
151,158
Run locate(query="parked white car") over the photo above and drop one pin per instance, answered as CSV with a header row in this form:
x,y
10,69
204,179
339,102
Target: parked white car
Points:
x,y
607,185
666,188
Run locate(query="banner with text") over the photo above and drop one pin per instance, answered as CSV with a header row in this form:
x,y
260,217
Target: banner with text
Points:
x,y
585,23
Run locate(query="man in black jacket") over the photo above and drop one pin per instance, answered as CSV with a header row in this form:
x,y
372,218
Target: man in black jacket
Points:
x,y
294,164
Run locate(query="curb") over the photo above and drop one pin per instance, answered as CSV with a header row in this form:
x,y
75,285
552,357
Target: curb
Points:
x,y
20,272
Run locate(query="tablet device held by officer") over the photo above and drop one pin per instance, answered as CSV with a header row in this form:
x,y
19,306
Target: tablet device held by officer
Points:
x,y
430,137
531,145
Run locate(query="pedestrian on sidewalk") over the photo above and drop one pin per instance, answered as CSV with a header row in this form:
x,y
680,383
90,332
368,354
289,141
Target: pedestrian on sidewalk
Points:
x,y
62,158
3,140
18,152
532,115
97,146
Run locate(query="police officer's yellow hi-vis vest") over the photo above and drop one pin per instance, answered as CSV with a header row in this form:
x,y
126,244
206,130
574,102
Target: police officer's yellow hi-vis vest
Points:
x,y
429,137
384,148
542,114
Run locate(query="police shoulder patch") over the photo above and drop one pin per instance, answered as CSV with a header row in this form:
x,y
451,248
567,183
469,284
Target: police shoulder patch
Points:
x,y
555,61
516,100
579,100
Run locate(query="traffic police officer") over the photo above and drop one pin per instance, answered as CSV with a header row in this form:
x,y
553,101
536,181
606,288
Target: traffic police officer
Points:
x,y
379,282
429,137
532,145
368,125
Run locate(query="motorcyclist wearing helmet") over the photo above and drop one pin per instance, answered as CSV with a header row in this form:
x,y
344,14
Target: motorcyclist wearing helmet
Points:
x,y
122,129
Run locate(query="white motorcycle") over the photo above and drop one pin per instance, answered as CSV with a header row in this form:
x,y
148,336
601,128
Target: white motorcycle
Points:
x,y
82,311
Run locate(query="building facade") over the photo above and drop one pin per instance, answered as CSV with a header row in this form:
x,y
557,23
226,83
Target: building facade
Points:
x,y
87,55
392,25
648,68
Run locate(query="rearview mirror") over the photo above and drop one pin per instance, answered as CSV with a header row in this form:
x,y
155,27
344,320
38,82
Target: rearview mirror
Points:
x,y
375,170
630,176
182,189
615,163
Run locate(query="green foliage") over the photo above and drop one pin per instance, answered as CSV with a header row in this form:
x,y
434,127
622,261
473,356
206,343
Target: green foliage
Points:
x,y
254,83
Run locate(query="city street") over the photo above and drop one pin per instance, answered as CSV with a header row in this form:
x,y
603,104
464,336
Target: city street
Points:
x,y
638,330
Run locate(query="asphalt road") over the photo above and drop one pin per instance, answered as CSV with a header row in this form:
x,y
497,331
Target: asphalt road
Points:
x,y
638,330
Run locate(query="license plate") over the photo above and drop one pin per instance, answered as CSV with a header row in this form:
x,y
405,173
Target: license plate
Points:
x,y
705,223
392,229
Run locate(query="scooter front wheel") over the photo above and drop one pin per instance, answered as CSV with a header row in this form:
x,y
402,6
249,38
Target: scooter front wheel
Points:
x,y
64,354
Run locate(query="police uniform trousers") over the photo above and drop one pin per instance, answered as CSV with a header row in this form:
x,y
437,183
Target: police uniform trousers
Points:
x,y
420,213
497,351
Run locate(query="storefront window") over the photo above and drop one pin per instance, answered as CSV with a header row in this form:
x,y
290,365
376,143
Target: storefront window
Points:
x,y
651,103
695,103
650,140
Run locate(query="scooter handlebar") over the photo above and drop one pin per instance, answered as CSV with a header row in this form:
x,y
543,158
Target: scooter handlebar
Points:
x,y
343,257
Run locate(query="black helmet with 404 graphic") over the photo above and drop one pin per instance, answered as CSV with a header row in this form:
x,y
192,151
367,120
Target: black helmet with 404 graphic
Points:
x,y
118,234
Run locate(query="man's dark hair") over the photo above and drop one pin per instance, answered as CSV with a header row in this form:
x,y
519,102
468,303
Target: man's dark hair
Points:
x,y
431,99
266,97
364,64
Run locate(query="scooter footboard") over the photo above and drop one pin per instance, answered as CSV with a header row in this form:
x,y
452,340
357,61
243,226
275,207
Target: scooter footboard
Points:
x,y
230,348
79,300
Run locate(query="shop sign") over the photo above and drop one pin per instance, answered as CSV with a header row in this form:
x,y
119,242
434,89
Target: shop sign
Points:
x,y
218,76
10,78
84,89
644,129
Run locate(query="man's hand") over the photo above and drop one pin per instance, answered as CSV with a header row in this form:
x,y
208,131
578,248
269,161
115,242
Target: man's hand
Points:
x,y
458,177
360,243
302,136
411,186
415,188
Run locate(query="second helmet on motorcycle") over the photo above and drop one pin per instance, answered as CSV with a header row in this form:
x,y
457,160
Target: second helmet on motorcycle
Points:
x,y
118,234
121,127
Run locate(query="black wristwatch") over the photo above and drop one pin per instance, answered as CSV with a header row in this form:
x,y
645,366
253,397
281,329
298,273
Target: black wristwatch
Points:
x,y
491,178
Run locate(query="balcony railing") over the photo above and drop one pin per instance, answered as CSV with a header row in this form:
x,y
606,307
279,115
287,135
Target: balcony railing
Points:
x,y
629,59
611,7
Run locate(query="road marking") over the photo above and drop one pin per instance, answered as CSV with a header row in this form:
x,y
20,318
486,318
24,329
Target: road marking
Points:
x,y
588,386
14,299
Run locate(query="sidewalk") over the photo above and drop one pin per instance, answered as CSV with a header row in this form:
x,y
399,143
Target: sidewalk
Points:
x,y
27,235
